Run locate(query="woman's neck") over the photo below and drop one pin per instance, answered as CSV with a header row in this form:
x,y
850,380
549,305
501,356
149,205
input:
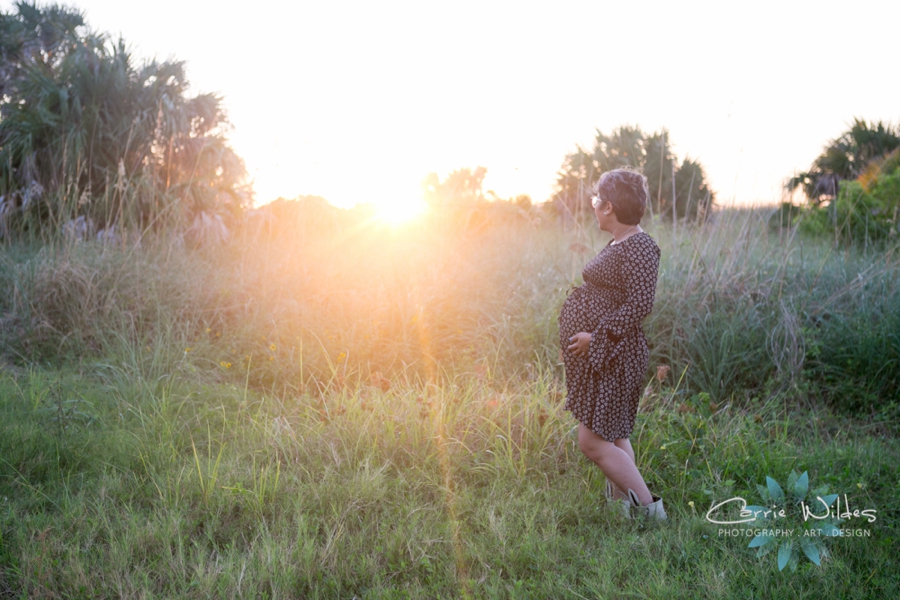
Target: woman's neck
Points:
x,y
625,232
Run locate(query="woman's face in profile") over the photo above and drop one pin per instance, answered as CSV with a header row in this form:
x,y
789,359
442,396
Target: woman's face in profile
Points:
x,y
600,210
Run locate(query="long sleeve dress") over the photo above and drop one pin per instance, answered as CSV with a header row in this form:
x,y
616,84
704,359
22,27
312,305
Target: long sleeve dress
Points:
x,y
603,389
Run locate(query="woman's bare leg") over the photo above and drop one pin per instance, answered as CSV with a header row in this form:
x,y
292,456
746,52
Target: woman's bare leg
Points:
x,y
617,464
625,445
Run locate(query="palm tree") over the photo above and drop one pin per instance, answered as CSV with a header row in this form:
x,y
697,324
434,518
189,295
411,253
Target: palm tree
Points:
x,y
34,36
845,157
85,131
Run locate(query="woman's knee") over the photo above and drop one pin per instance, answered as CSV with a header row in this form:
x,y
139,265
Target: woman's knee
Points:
x,y
587,446
585,443
590,443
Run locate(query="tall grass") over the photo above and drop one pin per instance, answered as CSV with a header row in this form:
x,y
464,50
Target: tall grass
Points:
x,y
339,409
307,306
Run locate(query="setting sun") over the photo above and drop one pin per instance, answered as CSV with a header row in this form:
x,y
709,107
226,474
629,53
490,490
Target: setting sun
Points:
x,y
397,212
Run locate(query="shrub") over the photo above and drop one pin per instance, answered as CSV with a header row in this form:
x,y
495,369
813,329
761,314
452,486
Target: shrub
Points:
x,y
859,215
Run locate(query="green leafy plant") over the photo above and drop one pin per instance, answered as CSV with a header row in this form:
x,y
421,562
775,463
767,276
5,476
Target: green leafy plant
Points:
x,y
785,511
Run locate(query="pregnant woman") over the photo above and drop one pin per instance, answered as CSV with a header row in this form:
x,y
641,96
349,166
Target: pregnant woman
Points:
x,y
605,352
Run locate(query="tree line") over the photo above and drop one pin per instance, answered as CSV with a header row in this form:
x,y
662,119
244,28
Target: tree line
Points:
x,y
677,190
87,131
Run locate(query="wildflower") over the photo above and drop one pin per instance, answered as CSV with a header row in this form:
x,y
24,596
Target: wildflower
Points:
x,y
225,365
186,350
663,447
208,330
271,358
272,347
218,334
661,372
341,356
691,504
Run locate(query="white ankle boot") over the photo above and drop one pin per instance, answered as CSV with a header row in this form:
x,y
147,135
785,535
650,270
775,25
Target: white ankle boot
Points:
x,y
611,490
654,509
619,504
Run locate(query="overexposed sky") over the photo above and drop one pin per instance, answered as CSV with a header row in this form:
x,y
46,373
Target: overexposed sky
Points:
x,y
358,101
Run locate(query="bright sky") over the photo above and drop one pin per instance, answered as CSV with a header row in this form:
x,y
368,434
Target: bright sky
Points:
x,y
358,101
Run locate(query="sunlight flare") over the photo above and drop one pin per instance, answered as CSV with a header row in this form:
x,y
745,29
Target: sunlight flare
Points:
x,y
397,212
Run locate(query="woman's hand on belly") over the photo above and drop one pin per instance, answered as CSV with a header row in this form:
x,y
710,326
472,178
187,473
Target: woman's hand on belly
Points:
x,y
580,343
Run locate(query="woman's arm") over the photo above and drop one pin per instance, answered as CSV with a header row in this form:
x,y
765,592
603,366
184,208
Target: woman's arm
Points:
x,y
640,271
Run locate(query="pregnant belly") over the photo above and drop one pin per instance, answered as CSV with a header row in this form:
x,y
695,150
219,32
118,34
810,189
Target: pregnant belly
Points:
x,y
580,312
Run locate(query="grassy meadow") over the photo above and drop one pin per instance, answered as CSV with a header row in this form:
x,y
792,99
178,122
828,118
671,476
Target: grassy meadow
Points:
x,y
326,406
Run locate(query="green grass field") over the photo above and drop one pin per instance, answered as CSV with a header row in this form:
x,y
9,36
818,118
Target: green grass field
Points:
x,y
344,410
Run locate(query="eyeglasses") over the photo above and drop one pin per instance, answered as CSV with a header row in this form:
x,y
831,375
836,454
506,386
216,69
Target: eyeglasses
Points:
x,y
595,201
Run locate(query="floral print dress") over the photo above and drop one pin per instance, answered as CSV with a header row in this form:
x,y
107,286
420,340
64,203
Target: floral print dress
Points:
x,y
603,388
